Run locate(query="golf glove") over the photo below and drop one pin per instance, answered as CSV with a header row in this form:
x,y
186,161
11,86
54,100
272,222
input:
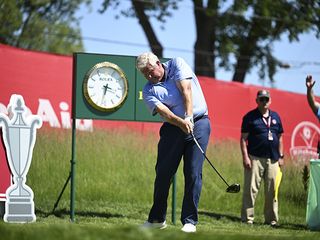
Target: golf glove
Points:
x,y
190,119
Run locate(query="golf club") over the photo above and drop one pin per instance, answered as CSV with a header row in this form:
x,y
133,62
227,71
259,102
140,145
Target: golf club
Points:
x,y
234,188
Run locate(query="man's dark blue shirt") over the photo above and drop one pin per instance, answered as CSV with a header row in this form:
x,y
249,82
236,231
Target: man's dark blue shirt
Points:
x,y
258,143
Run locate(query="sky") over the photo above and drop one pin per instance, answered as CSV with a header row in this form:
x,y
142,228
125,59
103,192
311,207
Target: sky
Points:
x,y
104,34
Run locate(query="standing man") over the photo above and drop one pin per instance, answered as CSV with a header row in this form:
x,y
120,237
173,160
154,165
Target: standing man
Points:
x,y
262,152
314,105
174,92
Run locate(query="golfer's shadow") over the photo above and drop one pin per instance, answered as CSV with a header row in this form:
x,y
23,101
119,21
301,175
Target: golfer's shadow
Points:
x,y
63,212
220,216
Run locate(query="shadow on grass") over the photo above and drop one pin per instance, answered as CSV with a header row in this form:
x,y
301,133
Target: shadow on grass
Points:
x,y
288,226
64,212
292,226
218,216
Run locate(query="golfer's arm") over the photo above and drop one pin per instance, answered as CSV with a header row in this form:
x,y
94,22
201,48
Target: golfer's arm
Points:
x,y
243,145
168,115
186,92
312,102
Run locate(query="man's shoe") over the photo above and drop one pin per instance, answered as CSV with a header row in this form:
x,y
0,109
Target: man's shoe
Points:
x,y
274,224
189,228
160,225
249,222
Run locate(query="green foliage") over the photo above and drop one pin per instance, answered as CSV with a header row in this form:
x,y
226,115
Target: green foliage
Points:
x,y
114,187
44,25
227,30
258,24
159,10
11,20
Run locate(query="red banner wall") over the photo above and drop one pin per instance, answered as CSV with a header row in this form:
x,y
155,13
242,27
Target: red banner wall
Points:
x,y
45,82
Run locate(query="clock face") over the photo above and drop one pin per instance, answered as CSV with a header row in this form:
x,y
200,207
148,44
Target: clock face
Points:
x,y
105,87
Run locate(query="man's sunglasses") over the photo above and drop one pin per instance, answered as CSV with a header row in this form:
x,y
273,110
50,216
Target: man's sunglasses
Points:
x,y
264,99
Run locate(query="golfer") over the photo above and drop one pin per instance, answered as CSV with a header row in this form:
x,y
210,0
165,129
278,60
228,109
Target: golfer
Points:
x,y
173,91
262,152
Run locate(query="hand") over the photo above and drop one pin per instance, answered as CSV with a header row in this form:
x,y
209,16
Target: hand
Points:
x,y
186,126
111,90
310,82
190,123
281,162
247,162
105,88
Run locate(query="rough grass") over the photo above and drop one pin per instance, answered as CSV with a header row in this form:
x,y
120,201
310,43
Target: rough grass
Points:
x,y
114,186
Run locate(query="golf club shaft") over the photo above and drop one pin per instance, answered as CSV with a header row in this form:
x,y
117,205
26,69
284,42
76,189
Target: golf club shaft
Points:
x,y
195,140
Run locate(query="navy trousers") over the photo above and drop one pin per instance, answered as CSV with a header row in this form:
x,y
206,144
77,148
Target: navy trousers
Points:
x,y
173,145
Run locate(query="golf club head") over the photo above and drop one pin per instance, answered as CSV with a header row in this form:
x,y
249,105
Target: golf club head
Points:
x,y
234,188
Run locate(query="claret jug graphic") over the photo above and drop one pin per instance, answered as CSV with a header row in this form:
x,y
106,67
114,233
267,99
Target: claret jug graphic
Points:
x,y
19,136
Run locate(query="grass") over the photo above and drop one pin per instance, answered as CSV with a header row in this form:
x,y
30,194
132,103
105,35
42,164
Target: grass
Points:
x,y
114,187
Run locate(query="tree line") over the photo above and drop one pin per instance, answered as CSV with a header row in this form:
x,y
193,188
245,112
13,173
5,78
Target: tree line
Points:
x,y
233,35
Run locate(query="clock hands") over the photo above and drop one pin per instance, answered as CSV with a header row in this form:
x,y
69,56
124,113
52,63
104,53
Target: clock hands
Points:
x,y
110,90
107,88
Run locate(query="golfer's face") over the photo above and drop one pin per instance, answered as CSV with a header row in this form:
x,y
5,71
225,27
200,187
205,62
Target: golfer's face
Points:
x,y
153,73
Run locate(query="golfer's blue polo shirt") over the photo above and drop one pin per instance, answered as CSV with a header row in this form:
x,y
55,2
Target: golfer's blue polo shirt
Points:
x,y
167,92
258,143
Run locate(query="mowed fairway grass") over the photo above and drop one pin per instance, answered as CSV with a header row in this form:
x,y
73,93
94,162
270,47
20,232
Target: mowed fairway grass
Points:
x,y
114,188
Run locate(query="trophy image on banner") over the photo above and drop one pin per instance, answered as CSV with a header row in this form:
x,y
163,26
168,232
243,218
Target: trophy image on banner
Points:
x,y
19,136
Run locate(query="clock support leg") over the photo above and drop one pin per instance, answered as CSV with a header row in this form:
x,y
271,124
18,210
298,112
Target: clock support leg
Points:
x,y
70,177
61,193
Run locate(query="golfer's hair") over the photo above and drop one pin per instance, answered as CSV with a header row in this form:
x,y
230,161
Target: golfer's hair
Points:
x,y
146,58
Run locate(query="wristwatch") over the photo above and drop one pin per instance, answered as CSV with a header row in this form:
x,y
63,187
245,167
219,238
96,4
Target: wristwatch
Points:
x,y
281,156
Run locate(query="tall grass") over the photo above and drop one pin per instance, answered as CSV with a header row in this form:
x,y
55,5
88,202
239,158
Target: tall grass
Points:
x,y
114,188
118,167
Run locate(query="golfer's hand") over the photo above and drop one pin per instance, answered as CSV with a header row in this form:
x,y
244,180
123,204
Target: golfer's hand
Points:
x,y
247,163
309,82
186,126
190,124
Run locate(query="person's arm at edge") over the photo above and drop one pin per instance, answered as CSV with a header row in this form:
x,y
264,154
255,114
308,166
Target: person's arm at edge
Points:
x,y
281,161
310,96
243,145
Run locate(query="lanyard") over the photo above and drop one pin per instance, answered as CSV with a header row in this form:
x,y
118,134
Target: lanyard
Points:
x,y
267,123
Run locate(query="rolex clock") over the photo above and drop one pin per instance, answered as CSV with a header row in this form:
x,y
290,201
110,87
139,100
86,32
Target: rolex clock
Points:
x,y
105,87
